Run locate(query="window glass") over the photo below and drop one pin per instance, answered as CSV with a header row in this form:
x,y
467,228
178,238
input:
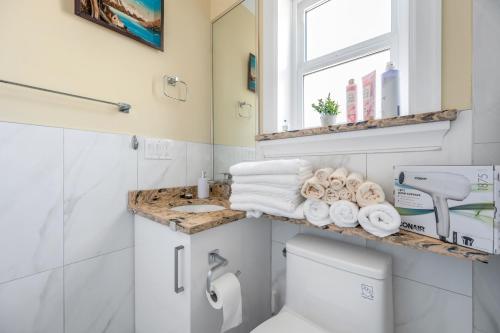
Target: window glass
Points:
x,y
335,79
337,24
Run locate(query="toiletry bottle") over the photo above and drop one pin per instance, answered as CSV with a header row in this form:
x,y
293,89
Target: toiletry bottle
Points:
x,y
390,92
369,90
203,187
352,101
285,126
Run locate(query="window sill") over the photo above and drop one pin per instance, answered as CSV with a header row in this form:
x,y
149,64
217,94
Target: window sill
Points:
x,y
418,132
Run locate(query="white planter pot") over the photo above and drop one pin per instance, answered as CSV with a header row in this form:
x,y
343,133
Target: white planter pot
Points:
x,y
327,120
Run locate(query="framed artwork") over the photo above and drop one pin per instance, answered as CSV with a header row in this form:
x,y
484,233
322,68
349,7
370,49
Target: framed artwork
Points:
x,y
252,73
141,20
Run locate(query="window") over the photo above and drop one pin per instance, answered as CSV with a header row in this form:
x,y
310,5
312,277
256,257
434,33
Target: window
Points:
x,y
338,40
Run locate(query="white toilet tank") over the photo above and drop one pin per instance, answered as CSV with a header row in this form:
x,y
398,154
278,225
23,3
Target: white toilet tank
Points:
x,y
341,287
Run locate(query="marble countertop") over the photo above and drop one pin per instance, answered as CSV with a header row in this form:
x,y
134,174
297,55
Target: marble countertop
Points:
x,y
157,205
402,238
419,118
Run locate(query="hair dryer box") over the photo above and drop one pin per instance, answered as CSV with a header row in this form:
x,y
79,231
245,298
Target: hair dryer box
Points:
x,y
457,204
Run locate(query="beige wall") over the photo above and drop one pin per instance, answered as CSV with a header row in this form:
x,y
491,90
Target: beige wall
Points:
x,y
457,54
218,7
234,38
44,43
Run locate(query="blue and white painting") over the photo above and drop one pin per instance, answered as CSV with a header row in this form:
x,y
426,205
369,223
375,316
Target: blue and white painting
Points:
x,y
139,19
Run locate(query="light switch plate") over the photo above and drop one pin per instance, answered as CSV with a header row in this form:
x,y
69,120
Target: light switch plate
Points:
x,y
157,149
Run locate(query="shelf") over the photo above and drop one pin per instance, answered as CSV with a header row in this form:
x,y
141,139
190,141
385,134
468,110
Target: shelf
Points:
x,y
420,118
403,238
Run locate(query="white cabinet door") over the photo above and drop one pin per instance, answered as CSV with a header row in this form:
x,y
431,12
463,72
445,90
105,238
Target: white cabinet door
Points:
x,y
162,304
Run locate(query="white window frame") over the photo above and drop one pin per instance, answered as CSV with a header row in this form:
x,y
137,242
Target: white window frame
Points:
x,y
356,51
415,50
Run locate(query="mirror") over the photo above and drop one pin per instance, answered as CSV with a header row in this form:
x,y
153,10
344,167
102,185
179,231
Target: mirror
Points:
x,y
235,100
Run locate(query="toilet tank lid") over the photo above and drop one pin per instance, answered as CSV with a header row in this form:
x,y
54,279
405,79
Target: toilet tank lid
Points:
x,y
347,257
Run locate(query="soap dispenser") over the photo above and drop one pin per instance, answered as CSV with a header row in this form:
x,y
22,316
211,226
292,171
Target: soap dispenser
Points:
x,y
203,187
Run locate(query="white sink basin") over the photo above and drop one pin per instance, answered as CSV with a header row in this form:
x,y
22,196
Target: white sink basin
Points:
x,y
198,208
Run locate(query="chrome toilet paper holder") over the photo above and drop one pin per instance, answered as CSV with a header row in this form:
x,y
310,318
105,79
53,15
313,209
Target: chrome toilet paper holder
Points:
x,y
215,261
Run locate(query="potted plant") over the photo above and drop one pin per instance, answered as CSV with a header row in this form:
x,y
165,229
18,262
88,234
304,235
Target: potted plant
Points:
x,y
328,109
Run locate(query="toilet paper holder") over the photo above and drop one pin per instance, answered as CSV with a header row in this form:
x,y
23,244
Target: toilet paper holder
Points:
x,y
215,260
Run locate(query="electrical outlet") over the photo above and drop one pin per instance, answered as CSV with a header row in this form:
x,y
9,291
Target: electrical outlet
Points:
x,y
157,149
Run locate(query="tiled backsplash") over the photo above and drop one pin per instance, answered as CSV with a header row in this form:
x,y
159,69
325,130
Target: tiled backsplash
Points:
x,y
66,238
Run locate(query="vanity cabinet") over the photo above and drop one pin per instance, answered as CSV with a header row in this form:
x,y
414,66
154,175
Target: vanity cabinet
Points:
x,y
164,306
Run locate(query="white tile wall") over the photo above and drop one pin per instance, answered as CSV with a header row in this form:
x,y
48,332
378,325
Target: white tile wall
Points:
x,y
199,158
33,304
31,209
66,191
421,308
487,296
225,156
99,170
486,90
98,294
163,173
451,274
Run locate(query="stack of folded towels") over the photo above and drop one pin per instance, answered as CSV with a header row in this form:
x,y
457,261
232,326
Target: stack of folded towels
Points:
x,y
346,199
271,187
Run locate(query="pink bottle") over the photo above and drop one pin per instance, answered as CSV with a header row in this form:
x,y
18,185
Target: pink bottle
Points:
x,y
352,101
369,89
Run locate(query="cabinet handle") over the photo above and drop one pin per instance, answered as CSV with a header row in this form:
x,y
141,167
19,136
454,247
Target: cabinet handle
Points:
x,y
177,289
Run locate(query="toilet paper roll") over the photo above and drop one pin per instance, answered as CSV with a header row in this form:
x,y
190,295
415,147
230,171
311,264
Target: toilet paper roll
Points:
x,y
228,298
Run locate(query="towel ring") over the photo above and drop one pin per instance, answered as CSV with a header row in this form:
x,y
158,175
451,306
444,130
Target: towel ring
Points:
x,y
172,81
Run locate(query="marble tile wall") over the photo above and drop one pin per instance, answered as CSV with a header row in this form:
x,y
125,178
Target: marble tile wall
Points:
x,y
66,238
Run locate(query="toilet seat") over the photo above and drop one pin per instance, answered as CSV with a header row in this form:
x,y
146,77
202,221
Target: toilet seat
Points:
x,y
288,322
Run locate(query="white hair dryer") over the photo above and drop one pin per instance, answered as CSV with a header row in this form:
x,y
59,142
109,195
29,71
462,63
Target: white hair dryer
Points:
x,y
441,186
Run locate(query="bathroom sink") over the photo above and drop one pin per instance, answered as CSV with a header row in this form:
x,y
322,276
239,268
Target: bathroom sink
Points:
x,y
198,208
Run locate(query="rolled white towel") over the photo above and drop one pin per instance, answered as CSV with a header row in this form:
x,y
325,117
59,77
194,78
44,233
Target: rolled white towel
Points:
x,y
282,181
369,193
380,220
312,189
331,196
338,178
256,209
279,203
354,181
344,214
322,176
346,194
317,212
273,167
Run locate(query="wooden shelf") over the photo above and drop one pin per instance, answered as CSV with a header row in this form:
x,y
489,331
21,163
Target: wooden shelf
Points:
x,y
403,238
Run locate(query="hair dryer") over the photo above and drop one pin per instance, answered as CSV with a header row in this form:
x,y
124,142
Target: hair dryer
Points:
x,y
441,186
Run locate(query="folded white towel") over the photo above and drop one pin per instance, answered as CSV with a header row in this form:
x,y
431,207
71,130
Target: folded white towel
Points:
x,y
282,181
331,196
380,220
344,214
255,214
354,181
317,212
312,189
255,209
265,190
282,204
322,176
273,167
338,178
369,193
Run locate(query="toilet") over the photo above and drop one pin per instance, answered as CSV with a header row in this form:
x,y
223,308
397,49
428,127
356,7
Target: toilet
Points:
x,y
333,287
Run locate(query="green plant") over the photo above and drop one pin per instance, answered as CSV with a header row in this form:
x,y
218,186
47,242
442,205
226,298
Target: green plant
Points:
x,y
327,107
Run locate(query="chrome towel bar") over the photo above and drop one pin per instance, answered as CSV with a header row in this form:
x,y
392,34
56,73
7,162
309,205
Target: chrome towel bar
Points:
x,y
122,107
